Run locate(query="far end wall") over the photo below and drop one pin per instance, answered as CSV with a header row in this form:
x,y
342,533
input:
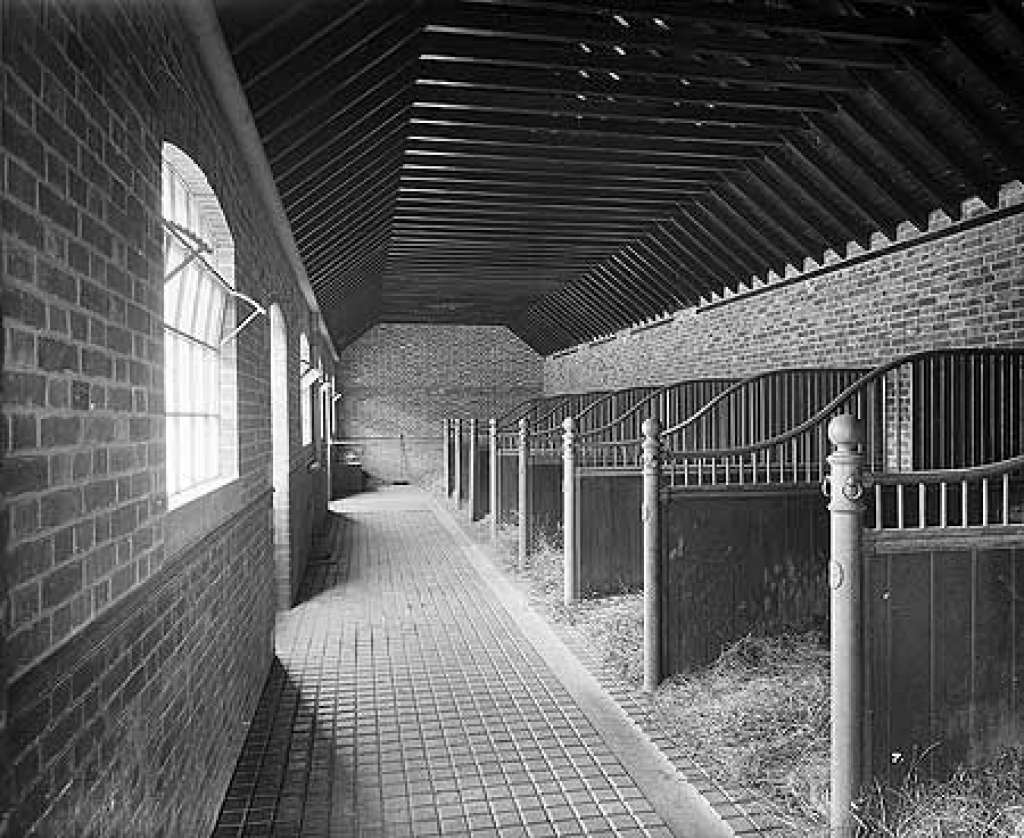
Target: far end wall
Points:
x,y
399,381
960,289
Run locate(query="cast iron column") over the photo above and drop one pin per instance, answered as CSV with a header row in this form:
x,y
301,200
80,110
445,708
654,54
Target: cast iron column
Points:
x,y
524,492
571,590
492,477
845,488
652,553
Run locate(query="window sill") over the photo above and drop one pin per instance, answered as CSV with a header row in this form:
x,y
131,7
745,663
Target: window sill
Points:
x,y
184,498
197,512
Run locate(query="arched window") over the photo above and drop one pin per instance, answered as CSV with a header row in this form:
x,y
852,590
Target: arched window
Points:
x,y
306,376
200,379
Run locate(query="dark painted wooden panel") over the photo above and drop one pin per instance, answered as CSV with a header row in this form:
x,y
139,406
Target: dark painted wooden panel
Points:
x,y
739,562
450,456
951,647
876,634
483,475
545,499
609,536
508,488
943,654
993,694
346,478
464,466
909,659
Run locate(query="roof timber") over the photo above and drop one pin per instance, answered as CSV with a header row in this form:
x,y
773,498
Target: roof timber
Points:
x,y
576,28
437,72
573,167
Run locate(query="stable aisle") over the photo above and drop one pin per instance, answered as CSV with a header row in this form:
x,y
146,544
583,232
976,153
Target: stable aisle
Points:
x,y
413,696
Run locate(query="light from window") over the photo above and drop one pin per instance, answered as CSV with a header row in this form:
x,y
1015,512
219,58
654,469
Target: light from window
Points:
x,y
305,391
199,373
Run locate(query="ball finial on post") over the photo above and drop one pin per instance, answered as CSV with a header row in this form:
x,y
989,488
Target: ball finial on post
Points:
x,y
846,431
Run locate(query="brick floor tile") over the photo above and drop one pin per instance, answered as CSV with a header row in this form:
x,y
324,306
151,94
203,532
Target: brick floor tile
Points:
x,y
406,701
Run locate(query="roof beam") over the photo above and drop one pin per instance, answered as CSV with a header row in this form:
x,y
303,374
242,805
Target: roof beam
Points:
x,y
517,26
710,139
450,47
492,77
895,27
601,106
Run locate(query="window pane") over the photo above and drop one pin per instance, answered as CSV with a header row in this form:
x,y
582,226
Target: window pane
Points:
x,y
199,328
215,328
171,445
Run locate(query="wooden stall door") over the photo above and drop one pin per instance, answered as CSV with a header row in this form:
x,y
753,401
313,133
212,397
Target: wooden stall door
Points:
x,y
609,532
944,650
737,562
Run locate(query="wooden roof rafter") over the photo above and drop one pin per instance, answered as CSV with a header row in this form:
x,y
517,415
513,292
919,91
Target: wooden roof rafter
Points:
x,y
623,158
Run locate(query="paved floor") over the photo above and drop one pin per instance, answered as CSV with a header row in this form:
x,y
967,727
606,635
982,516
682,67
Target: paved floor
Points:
x,y
410,698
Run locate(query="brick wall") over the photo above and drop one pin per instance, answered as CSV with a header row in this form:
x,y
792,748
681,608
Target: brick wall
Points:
x,y
401,379
135,640
962,289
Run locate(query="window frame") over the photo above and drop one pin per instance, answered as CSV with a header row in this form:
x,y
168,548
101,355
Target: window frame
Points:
x,y
200,360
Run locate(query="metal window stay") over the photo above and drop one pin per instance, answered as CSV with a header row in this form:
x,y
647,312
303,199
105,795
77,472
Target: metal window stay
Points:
x,y
195,247
308,374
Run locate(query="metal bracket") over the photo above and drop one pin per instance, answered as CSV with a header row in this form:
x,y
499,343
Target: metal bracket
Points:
x,y
196,247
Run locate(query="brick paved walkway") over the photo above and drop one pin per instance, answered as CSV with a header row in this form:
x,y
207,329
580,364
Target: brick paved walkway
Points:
x,y
408,700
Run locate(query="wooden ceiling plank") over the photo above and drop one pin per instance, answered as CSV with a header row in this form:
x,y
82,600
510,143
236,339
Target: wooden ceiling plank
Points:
x,y
551,325
617,281
325,133
699,280
554,56
351,261
1006,77
836,224
543,194
378,218
573,162
682,280
339,111
897,27
385,33
482,250
605,295
518,204
511,142
786,222
515,102
687,224
734,217
514,26
652,188
388,131
347,251
894,148
975,120
597,314
712,140
383,154
485,77
884,184
665,293
865,216
370,176
686,243
372,195
371,259
929,135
